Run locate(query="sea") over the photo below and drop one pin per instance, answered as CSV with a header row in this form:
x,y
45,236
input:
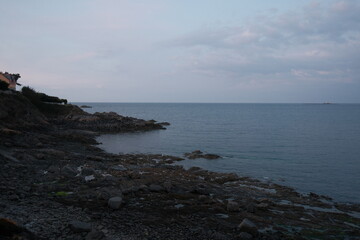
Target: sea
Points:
x,y
310,147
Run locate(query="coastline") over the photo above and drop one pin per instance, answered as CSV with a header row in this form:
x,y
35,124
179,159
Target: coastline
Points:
x,y
54,174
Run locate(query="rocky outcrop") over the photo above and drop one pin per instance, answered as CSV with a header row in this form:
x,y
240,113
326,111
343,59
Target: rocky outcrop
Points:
x,y
17,112
104,122
199,154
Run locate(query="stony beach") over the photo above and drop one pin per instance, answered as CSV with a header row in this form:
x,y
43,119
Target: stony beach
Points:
x,y
56,183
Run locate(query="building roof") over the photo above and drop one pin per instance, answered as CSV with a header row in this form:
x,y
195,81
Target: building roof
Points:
x,y
10,77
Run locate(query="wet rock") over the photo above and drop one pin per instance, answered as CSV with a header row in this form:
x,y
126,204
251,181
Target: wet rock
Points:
x,y
85,106
115,202
247,226
199,154
211,156
78,226
232,206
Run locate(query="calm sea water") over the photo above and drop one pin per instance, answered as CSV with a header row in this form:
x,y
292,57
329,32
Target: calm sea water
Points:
x,y
311,147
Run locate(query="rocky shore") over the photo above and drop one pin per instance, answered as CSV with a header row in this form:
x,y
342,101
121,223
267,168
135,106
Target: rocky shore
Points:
x,y
55,183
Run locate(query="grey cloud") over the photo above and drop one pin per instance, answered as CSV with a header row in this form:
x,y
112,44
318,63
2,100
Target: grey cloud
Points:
x,y
319,42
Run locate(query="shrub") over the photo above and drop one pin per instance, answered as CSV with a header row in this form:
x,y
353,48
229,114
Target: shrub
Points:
x,y
4,85
45,103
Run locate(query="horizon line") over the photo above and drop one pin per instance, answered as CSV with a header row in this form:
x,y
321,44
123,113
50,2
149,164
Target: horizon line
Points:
x,y
322,103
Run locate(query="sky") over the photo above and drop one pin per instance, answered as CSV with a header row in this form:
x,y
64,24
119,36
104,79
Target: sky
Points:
x,y
240,51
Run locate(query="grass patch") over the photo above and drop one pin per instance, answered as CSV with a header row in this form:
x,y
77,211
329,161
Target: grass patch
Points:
x,y
61,194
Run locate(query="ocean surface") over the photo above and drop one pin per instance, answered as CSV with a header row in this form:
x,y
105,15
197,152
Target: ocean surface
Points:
x,y
311,147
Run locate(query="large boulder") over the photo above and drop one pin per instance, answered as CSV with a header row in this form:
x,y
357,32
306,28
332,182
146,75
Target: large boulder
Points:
x,y
115,202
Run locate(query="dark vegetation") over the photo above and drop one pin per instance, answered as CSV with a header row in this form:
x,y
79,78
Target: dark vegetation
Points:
x,y
4,85
48,105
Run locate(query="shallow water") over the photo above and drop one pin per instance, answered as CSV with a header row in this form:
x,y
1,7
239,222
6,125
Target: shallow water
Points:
x,y
312,147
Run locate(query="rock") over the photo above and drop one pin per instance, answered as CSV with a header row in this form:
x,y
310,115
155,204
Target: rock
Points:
x,y
218,236
13,197
262,206
211,156
250,208
245,236
95,235
89,178
10,230
39,145
68,171
203,198
86,171
199,154
156,188
108,192
232,206
167,186
85,106
115,202
248,226
78,226
7,131
54,152
119,168
40,156
53,169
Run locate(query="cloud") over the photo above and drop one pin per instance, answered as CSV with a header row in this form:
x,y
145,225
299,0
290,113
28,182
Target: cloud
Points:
x,y
320,42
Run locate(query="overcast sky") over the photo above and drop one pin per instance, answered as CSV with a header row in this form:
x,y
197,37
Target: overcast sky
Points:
x,y
185,51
